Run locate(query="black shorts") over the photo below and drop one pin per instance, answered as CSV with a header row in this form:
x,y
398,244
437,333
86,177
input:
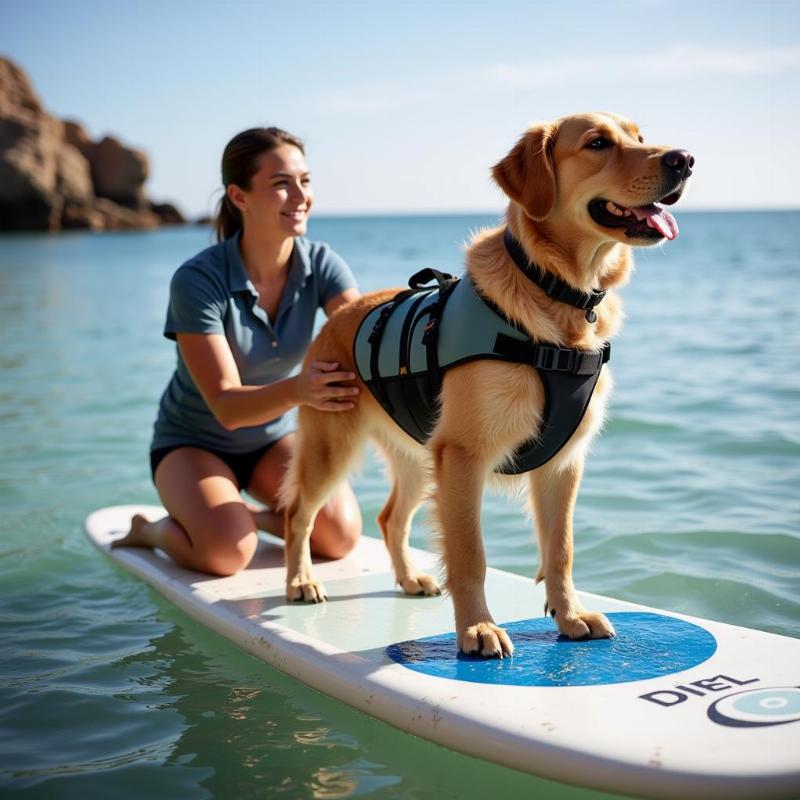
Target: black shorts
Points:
x,y
241,464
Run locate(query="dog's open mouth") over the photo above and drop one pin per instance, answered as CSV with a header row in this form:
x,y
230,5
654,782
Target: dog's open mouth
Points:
x,y
652,221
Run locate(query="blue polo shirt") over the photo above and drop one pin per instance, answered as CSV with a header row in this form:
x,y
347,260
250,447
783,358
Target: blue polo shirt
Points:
x,y
212,293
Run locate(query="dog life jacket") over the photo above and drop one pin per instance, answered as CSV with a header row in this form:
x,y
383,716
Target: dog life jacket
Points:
x,y
403,348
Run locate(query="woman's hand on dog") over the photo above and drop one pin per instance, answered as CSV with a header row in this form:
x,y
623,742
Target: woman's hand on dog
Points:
x,y
319,386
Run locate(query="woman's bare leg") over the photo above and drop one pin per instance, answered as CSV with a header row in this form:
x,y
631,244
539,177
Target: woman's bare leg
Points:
x,y
338,525
209,527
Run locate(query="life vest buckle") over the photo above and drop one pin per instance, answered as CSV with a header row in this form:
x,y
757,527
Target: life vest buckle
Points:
x,y
554,359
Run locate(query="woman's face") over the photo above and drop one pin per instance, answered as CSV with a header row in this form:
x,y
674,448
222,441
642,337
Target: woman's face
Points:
x,y
279,199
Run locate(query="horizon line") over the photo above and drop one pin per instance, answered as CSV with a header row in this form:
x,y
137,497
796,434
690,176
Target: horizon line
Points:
x,y
493,212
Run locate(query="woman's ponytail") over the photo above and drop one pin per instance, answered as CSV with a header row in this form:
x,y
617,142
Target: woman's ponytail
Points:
x,y
228,219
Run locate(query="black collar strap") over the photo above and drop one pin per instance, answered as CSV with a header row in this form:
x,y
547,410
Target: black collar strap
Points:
x,y
550,284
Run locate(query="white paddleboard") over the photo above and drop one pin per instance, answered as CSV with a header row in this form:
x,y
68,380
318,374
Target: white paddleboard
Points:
x,y
673,707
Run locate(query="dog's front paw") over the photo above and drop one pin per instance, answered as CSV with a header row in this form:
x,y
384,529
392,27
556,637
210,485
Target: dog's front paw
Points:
x,y
419,583
585,625
485,639
305,591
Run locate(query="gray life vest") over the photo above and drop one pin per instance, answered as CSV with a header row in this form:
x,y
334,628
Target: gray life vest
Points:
x,y
403,348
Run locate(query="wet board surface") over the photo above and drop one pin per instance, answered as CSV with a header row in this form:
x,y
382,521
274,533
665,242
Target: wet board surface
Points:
x,y
674,706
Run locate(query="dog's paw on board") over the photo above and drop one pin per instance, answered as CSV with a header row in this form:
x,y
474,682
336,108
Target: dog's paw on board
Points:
x,y
305,592
487,640
585,625
420,584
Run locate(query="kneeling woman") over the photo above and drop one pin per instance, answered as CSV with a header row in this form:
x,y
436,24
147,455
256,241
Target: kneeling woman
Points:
x,y
242,314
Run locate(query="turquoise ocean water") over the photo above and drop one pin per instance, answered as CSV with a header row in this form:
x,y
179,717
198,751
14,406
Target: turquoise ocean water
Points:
x,y
689,503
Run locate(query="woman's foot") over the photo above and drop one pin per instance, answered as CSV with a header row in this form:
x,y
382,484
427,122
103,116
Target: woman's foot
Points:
x,y
138,536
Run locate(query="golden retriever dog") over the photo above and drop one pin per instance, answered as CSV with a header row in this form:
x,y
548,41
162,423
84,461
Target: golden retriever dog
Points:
x,y
582,190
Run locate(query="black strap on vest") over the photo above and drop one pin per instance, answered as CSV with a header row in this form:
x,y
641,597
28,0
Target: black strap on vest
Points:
x,y
551,357
567,396
404,357
420,280
430,336
550,284
375,337
417,283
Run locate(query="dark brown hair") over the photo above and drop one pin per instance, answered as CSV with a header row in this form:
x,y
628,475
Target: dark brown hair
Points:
x,y
239,164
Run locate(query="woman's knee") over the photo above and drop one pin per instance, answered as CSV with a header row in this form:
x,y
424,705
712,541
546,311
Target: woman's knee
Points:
x,y
228,540
337,528
231,554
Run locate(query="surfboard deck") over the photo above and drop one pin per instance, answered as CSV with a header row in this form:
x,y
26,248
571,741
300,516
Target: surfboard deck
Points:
x,y
674,706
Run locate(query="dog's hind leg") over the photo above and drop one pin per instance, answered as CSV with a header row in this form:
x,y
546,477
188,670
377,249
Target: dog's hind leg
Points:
x,y
554,489
408,491
326,446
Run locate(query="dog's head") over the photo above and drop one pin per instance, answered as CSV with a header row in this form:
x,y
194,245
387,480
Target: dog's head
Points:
x,y
595,174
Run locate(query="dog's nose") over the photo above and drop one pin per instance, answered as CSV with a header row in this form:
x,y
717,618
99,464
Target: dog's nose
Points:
x,y
681,161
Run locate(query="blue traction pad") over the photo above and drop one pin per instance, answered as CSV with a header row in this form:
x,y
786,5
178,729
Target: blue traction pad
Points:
x,y
646,646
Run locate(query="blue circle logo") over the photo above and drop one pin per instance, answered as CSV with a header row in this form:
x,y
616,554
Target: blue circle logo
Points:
x,y
646,646
757,708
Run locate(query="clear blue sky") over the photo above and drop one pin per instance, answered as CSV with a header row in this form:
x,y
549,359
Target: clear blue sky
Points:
x,y
405,105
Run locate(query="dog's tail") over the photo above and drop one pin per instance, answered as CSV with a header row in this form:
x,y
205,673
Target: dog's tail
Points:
x,y
289,490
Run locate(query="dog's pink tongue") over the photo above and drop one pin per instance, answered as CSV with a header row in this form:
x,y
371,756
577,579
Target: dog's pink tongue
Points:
x,y
659,219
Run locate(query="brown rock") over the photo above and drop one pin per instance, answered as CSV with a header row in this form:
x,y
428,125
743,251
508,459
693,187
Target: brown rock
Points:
x,y
119,173
28,167
28,143
75,134
167,213
84,217
103,214
73,178
15,88
118,218
36,169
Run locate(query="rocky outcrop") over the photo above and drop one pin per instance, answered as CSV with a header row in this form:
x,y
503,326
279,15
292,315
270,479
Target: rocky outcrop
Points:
x,y
53,176
16,89
167,213
118,172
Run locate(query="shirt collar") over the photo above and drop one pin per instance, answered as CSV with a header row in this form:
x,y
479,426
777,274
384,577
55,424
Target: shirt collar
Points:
x,y
299,264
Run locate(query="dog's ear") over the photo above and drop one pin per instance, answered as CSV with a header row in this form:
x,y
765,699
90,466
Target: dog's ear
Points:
x,y
527,173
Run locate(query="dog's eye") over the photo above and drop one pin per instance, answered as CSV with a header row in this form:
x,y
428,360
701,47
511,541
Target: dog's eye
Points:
x,y
599,143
